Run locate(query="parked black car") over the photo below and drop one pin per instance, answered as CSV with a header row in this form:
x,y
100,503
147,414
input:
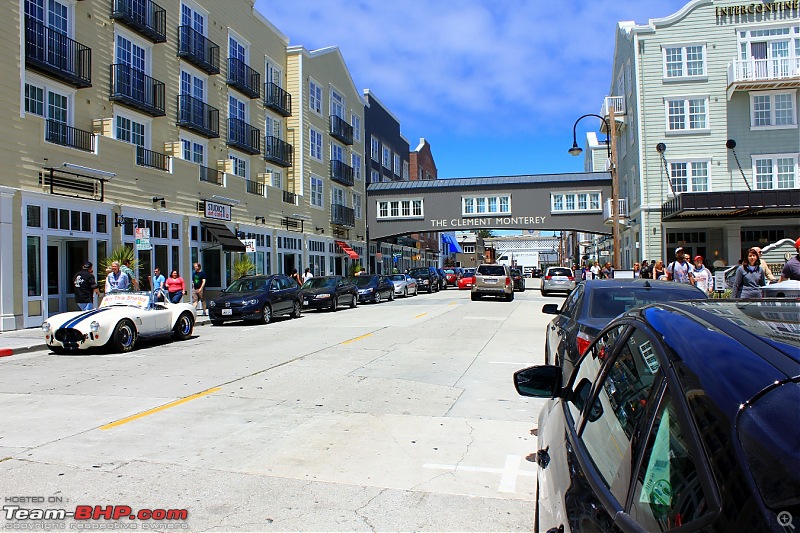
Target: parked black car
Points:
x,y
427,278
681,415
256,298
329,292
593,304
518,279
373,288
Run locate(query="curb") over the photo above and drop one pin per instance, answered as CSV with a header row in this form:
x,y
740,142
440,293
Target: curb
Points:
x,y
5,352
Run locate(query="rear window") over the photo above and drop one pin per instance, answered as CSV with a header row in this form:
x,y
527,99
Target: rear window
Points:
x,y
613,301
418,272
559,272
491,270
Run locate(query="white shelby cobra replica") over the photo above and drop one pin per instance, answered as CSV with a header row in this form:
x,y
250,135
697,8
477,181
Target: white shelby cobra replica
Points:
x,y
121,319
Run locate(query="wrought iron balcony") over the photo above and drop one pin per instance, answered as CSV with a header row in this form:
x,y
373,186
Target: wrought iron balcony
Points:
x,y
59,133
197,50
277,151
55,54
289,198
341,130
198,116
144,16
136,89
211,175
149,158
243,78
254,187
342,173
343,216
277,99
243,136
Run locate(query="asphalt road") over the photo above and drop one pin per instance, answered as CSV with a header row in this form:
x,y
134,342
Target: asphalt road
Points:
x,y
396,416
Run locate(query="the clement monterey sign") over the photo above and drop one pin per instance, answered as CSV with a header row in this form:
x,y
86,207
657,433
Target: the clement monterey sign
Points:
x,y
487,222
752,9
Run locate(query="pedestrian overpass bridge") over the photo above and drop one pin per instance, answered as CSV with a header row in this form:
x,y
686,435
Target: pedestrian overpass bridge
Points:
x,y
548,202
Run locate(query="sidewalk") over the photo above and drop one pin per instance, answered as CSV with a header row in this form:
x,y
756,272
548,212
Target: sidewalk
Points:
x,y
32,339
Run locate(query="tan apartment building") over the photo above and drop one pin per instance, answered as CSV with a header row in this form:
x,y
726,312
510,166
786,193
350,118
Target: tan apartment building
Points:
x,y
328,174
164,126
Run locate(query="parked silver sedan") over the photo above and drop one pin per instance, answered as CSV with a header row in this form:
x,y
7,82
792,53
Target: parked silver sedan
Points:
x,y
404,285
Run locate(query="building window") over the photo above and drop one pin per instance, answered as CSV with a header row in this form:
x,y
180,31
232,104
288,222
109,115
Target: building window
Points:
x,y
34,99
375,176
775,171
130,131
773,109
387,158
689,176
684,61
396,164
337,104
489,205
405,170
375,149
314,97
276,178
315,144
337,152
355,121
316,191
193,151
239,166
357,204
687,114
405,208
572,202
355,161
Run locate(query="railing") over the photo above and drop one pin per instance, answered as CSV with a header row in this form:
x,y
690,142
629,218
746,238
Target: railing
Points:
x,y
254,187
59,133
136,89
342,173
343,216
242,77
244,136
277,151
144,16
615,102
289,198
748,70
211,175
53,52
198,116
277,99
622,209
149,158
341,130
196,49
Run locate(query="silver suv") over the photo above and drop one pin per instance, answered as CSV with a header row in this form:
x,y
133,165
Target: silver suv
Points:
x,y
493,280
558,279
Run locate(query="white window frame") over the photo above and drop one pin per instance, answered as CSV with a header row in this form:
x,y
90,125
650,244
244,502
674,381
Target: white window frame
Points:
x,y
241,42
317,192
334,102
686,115
194,139
355,122
275,177
774,158
49,86
271,69
396,168
690,176
386,157
134,38
771,95
119,111
375,176
357,162
415,204
338,196
405,170
684,62
234,156
555,195
196,8
315,148
470,205
375,149
314,100
357,204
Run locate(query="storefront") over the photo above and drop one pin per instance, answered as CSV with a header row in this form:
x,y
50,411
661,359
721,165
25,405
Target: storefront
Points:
x,y
161,247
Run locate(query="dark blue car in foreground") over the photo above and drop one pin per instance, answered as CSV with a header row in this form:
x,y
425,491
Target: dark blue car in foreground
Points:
x,y
257,298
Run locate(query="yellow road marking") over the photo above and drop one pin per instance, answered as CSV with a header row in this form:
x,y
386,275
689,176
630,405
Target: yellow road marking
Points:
x,y
161,408
420,316
357,338
453,303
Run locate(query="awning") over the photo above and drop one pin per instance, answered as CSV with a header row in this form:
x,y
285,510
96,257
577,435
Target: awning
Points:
x,y
349,251
224,236
453,246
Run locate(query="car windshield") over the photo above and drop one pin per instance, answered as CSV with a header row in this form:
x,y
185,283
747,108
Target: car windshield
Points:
x,y
609,302
560,272
397,277
450,271
247,285
319,283
134,299
363,281
419,272
491,270
469,272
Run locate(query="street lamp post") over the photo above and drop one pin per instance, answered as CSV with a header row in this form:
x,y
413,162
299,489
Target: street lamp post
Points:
x,y
611,146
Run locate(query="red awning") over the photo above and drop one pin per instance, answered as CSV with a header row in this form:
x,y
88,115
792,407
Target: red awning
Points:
x,y
349,251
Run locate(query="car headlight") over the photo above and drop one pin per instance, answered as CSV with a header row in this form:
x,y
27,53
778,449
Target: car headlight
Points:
x,y
254,301
45,326
322,296
94,326
212,303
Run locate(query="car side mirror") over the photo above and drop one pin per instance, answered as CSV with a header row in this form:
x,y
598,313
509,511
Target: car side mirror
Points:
x,y
550,309
542,381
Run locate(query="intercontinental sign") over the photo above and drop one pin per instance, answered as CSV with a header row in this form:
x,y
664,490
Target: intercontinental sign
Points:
x,y
752,9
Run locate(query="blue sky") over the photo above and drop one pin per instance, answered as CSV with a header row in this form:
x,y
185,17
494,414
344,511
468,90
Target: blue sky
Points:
x,y
493,85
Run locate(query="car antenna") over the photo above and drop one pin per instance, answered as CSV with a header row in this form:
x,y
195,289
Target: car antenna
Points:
x,y
647,284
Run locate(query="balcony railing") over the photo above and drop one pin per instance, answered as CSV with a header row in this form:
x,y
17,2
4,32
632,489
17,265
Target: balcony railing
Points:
x,y
136,89
289,198
198,116
342,173
615,102
211,175
277,99
149,158
144,16
343,216
764,70
254,187
59,133
277,151
243,136
196,49
243,78
57,55
341,130
622,210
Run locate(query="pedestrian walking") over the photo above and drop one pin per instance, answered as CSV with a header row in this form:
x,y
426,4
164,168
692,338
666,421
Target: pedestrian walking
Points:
x,y
199,289
133,284
749,277
679,269
157,282
117,280
764,266
175,287
85,287
659,272
307,275
703,279
607,272
295,276
637,272
791,270
646,271
595,270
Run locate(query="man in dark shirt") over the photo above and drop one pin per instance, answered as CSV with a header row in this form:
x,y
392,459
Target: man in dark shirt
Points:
x,y
199,287
85,287
791,270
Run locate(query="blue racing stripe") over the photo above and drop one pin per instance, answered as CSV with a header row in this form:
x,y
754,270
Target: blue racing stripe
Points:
x,y
71,323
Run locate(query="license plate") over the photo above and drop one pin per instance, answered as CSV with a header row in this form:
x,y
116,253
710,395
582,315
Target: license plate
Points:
x,y
558,279
305,302
491,281
227,312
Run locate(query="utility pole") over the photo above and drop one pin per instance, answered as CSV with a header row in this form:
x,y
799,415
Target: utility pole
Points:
x,y
614,185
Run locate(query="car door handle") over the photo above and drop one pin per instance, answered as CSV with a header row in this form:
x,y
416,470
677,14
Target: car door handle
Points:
x,y
543,457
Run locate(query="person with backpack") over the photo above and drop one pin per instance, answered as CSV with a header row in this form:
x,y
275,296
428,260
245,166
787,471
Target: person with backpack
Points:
x,y
749,277
679,270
